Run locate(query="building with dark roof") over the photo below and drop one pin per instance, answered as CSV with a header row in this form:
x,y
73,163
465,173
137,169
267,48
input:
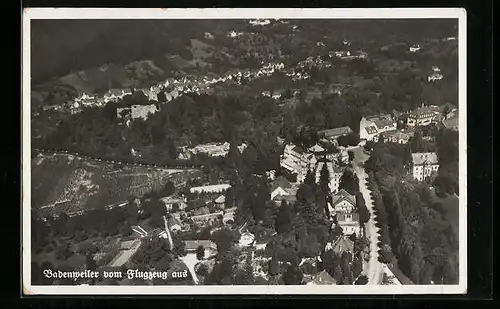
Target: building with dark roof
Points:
x,y
424,116
335,133
343,209
323,278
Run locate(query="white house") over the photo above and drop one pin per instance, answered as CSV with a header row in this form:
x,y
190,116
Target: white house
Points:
x,y
246,239
414,48
425,164
280,187
343,207
370,127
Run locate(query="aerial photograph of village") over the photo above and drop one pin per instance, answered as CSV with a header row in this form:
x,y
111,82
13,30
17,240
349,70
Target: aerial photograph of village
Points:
x,y
244,152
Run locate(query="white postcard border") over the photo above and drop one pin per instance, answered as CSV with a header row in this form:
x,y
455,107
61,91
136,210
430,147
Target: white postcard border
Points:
x,y
341,13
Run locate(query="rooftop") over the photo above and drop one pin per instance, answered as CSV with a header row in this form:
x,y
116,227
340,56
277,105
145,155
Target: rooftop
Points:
x,y
323,278
343,244
343,194
193,244
381,120
335,132
421,158
280,182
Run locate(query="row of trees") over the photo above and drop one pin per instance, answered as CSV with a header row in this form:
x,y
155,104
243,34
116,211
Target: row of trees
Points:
x,y
423,241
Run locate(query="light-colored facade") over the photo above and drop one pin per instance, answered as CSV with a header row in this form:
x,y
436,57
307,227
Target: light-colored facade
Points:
x,y
343,207
143,111
425,165
210,189
424,116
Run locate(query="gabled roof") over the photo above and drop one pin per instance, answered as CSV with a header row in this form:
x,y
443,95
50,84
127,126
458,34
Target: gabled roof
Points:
x,y
281,182
323,278
221,199
316,148
298,150
343,195
343,244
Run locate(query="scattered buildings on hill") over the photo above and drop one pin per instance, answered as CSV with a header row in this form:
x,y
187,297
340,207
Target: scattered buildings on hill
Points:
x,y
425,165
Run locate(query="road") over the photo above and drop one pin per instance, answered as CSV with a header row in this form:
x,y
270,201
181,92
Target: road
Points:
x,y
375,269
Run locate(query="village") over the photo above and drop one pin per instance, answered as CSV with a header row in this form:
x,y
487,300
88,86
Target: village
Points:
x,y
316,217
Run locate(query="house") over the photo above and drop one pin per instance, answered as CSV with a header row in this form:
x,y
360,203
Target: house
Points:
x,y
343,244
343,207
370,127
316,149
246,239
169,202
174,225
126,252
143,111
425,165
210,189
333,134
414,48
323,278
280,187
434,77
297,161
424,116
220,201
212,149
209,246
397,137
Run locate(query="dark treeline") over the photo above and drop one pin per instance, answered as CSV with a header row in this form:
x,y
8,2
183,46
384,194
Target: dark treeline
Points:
x,y
413,226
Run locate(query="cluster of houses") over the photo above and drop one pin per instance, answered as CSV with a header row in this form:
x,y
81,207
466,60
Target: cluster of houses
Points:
x,y
385,125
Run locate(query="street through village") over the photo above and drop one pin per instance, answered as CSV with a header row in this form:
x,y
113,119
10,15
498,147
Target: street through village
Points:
x,y
374,271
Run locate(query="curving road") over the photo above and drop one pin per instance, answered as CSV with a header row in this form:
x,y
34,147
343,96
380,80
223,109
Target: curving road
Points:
x,y
375,269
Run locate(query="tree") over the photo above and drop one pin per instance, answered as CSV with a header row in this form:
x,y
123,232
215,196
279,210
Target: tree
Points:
x,y
90,263
362,280
284,218
63,252
338,275
168,189
200,252
224,238
357,267
202,270
309,179
293,275
304,193
364,214
244,275
273,266
349,182
324,178
351,155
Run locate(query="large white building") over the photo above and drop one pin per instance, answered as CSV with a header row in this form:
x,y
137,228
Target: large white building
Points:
x,y
297,161
424,116
370,127
425,165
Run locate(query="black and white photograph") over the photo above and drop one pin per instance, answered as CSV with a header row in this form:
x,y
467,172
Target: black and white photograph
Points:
x,y
244,151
